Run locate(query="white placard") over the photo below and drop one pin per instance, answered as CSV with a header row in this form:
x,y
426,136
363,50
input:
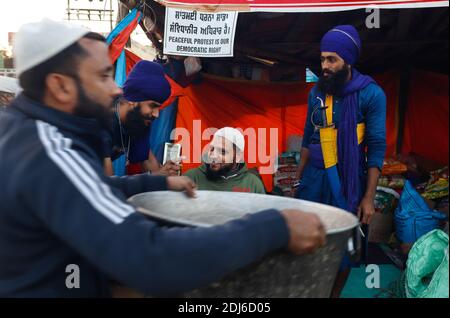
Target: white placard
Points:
x,y
202,34
172,152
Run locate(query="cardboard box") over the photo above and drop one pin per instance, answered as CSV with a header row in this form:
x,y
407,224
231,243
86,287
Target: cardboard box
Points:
x,y
382,224
381,227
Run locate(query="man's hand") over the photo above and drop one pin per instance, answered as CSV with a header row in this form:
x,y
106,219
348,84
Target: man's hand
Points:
x,y
306,231
366,210
170,168
182,184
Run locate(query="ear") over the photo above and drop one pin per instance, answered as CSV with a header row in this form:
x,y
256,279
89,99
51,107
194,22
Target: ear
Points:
x,y
155,112
62,88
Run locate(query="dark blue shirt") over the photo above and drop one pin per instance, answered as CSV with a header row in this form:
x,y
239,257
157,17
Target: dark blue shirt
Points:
x,y
117,142
371,112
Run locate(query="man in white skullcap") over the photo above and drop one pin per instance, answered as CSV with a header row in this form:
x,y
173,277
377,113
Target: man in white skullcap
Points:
x,y
224,168
66,229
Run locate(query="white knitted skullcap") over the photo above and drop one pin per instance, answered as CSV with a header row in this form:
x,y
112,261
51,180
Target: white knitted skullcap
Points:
x,y
37,42
232,135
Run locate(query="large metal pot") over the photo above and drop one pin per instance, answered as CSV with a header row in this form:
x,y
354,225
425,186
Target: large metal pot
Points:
x,y
280,274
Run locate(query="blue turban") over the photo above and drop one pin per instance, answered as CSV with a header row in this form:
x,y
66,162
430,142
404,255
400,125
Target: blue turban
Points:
x,y
344,41
146,81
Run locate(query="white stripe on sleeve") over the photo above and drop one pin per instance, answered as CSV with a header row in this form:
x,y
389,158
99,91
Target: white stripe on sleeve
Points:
x,y
81,174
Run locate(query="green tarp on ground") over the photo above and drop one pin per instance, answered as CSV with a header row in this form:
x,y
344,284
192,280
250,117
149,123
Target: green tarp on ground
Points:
x,y
355,287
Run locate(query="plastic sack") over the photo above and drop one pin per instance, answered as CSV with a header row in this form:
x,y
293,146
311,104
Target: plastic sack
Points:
x,y
427,267
413,217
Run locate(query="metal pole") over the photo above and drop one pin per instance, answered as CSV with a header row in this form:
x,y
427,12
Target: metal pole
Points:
x,y
68,10
111,15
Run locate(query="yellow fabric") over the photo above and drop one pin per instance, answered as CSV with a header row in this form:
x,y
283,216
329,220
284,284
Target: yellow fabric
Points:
x,y
328,143
328,136
329,111
360,132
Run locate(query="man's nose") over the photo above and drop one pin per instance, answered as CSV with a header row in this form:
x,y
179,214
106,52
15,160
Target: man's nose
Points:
x,y
212,154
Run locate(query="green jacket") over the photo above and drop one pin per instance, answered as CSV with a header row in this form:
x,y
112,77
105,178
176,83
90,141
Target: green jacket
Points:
x,y
241,181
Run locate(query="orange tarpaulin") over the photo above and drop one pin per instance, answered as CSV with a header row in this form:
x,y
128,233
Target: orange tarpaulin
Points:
x,y
269,110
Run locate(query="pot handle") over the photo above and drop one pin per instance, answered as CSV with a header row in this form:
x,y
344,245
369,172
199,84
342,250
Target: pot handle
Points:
x,y
354,244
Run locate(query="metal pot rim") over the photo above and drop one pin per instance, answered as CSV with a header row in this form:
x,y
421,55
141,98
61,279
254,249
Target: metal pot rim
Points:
x,y
184,222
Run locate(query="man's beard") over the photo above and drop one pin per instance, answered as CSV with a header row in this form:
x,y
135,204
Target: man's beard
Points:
x,y
135,123
335,82
214,175
88,108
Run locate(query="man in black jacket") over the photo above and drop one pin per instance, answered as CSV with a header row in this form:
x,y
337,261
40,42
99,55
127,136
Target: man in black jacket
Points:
x,y
59,211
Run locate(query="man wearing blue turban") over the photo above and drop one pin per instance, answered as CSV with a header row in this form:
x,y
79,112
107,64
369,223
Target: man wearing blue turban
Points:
x,y
144,90
345,132
357,110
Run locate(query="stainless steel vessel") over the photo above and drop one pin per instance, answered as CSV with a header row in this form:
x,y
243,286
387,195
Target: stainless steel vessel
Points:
x,y
278,275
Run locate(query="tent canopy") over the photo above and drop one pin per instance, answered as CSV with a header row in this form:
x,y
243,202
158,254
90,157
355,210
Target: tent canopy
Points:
x,y
301,5
406,38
